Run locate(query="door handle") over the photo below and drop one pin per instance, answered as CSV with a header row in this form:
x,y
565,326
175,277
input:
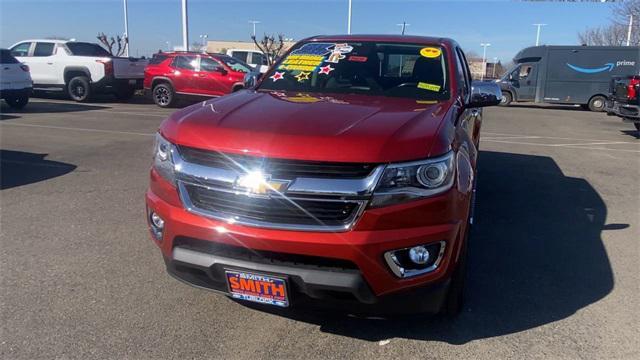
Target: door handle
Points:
x,y
528,82
49,63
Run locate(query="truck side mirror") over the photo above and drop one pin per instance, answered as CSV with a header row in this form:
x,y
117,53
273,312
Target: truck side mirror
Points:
x,y
484,94
251,79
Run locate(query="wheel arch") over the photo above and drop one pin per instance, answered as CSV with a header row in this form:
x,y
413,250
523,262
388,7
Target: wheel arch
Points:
x,y
161,79
72,71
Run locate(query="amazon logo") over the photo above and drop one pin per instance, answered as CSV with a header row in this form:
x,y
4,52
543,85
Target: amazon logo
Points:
x,y
606,67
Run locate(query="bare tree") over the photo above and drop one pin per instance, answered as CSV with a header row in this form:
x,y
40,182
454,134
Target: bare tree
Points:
x,y
196,46
616,33
271,47
119,43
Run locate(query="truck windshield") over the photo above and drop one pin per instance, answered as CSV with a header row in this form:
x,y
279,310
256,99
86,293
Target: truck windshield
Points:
x,y
370,68
86,49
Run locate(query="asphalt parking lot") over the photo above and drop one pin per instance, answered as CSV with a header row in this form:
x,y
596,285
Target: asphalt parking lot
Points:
x,y
553,267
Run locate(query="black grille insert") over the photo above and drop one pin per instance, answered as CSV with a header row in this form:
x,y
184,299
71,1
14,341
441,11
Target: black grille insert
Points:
x,y
264,257
276,210
278,168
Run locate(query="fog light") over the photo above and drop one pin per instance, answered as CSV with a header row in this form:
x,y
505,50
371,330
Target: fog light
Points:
x,y
416,260
419,255
157,221
157,225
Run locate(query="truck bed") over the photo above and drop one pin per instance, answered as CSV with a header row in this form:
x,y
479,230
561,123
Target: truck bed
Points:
x,y
128,68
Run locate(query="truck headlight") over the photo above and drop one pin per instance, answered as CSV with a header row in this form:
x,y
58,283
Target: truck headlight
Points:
x,y
412,180
163,159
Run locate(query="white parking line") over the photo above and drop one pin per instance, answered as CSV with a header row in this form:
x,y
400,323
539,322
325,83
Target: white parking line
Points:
x,y
130,113
568,146
79,129
506,136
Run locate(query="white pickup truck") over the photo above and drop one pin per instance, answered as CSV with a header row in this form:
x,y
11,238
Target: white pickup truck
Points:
x,y
80,68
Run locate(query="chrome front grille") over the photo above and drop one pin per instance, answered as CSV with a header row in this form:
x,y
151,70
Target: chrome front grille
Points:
x,y
278,168
274,210
313,196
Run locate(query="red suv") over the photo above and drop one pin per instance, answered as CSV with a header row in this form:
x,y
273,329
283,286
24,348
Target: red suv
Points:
x,y
344,177
190,73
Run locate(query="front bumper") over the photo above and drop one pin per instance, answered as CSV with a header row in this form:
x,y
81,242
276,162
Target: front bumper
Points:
x,y
335,269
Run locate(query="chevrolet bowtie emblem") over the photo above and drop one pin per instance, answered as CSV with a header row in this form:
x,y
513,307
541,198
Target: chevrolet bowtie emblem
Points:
x,y
256,182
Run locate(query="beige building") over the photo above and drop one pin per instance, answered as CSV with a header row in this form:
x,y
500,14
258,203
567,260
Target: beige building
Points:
x,y
221,46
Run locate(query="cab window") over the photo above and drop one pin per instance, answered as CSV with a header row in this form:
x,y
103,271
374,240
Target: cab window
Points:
x,y
462,72
186,63
240,55
43,49
525,70
21,49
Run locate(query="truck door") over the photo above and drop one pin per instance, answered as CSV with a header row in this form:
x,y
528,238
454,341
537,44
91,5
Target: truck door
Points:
x,y
526,82
41,64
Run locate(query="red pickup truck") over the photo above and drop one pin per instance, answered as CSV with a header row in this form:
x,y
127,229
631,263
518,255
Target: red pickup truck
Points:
x,y
344,177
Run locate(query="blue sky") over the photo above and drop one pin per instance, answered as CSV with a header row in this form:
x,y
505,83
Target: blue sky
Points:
x,y
504,24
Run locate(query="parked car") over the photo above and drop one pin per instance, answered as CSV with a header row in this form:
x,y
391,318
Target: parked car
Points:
x,y
15,84
79,68
174,74
335,181
568,74
624,99
255,58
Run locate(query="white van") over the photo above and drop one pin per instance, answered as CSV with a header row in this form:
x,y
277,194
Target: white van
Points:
x,y
255,58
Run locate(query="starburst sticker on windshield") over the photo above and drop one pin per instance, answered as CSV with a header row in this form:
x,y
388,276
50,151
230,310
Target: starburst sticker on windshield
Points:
x,y
302,76
277,76
326,69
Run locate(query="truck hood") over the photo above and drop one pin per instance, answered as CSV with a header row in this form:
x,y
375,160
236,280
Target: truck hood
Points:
x,y
310,126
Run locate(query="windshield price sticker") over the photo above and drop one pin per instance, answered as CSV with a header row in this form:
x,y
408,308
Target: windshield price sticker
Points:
x,y
427,86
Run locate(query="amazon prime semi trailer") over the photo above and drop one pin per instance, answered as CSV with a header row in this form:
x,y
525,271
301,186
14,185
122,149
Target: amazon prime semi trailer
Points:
x,y
568,74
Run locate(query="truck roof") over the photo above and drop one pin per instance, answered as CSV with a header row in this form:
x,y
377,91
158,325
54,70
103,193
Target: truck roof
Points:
x,y
539,51
55,41
409,39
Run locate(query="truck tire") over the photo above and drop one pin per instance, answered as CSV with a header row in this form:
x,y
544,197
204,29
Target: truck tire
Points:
x,y
507,98
79,89
163,95
125,93
17,102
597,103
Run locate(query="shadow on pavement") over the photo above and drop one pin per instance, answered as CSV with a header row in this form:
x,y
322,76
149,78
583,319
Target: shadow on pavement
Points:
x,y
535,257
42,107
548,107
19,168
632,133
96,98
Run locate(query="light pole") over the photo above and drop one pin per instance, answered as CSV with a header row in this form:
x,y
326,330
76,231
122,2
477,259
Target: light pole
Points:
x,y
203,42
404,26
349,20
629,31
168,45
185,27
495,61
254,22
484,59
538,32
126,30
